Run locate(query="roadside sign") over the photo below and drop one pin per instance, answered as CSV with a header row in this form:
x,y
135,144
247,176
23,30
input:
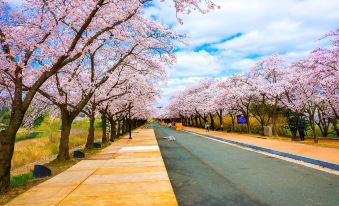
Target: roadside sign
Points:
x,y
241,119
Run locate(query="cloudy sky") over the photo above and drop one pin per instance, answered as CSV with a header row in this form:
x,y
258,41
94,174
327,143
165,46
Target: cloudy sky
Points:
x,y
230,40
233,38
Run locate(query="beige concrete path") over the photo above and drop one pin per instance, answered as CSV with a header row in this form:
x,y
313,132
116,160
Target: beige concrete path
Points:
x,y
312,151
129,172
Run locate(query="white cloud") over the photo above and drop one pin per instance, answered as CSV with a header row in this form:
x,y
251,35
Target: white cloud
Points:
x,y
15,2
235,16
242,64
291,28
195,64
174,85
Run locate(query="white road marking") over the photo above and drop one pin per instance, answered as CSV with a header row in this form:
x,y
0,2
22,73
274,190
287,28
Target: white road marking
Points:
x,y
317,167
170,138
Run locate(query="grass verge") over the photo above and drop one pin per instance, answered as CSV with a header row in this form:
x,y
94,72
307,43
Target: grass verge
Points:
x,y
44,146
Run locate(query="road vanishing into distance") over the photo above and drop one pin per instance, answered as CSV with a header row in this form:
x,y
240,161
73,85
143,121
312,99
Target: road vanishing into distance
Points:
x,y
206,172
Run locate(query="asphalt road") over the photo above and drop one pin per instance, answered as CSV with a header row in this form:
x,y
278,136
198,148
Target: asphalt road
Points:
x,y
206,172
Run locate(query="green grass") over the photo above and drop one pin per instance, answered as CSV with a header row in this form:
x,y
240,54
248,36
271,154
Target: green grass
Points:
x,y
44,145
32,135
21,179
309,132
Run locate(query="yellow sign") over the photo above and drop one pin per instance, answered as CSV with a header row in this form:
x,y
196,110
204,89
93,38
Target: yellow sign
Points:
x,y
178,126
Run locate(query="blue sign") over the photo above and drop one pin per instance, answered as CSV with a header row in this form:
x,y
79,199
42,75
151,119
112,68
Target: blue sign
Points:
x,y
241,119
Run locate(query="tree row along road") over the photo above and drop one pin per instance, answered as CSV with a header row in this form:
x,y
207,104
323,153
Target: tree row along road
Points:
x,y
206,172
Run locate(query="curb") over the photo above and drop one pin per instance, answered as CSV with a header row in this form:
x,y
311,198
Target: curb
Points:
x,y
322,163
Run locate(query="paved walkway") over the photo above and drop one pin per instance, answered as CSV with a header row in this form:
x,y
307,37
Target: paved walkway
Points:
x,y
129,172
316,152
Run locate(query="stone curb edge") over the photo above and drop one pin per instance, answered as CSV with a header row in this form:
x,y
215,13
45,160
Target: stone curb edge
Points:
x,y
322,163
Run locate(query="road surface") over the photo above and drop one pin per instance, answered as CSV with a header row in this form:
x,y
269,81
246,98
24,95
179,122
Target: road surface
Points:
x,y
207,172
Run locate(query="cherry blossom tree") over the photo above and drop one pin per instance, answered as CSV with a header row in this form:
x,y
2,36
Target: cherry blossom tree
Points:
x,y
41,37
132,106
313,87
226,101
219,104
141,55
269,82
306,88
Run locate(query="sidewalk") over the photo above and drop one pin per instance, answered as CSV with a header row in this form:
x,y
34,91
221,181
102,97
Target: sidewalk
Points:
x,y
311,151
129,172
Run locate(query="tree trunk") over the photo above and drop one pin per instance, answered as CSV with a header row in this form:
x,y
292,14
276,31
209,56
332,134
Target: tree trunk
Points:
x,y
122,127
125,125
220,120
312,124
248,124
335,126
7,138
323,123
274,127
212,121
262,125
90,137
129,122
66,125
233,122
204,118
104,138
113,130
315,139
7,141
119,128
274,118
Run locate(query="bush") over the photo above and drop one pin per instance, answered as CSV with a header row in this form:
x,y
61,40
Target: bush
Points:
x,y
39,120
20,179
52,126
97,123
84,123
5,116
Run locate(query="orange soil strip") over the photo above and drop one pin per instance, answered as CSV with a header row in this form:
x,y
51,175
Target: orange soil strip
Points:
x,y
312,151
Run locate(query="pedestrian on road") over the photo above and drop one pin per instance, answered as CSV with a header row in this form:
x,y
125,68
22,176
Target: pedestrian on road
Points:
x,y
301,130
207,127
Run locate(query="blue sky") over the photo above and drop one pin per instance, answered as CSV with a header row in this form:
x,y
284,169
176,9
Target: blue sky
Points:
x,y
230,40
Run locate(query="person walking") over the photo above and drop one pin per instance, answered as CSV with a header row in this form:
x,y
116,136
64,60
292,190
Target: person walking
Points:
x,y
207,127
301,130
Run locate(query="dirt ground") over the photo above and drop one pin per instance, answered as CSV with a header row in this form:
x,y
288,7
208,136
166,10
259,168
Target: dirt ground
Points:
x,y
327,150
